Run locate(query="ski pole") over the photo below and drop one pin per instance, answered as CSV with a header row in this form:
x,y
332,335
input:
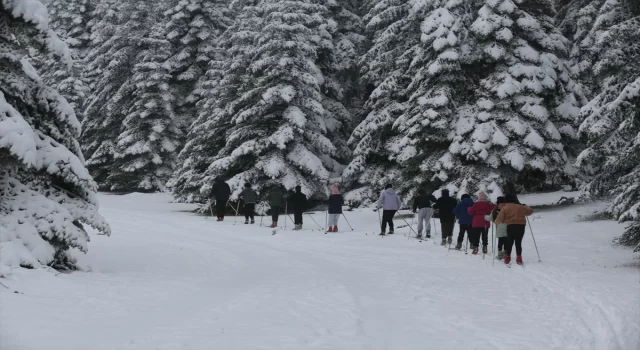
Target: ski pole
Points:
x,y
493,242
314,220
534,240
235,221
261,213
345,219
412,218
326,219
414,231
286,213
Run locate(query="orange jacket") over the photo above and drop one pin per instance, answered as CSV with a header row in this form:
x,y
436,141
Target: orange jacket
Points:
x,y
514,214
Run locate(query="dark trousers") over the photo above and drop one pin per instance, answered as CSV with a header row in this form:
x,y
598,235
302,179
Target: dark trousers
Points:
x,y
387,218
475,234
502,243
249,210
515,233
275,212
221,206
297,217
447,228
464,228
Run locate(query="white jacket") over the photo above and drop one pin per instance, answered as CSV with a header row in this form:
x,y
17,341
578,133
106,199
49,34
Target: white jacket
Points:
x,y
389,200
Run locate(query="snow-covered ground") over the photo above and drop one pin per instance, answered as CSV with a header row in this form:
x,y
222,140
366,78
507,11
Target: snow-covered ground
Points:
x,y
168,279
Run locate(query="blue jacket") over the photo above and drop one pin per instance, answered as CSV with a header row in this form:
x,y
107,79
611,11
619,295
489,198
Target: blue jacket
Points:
x,y
461,211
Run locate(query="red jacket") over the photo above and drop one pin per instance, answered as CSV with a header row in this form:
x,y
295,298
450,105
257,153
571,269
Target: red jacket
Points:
x,y
479,210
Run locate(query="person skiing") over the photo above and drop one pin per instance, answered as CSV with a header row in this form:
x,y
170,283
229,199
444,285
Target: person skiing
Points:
x,y
334,210
249,197
422,205
445,206
464,219
501,229
221,192
390,203
479,224
298,202
276,200
515,216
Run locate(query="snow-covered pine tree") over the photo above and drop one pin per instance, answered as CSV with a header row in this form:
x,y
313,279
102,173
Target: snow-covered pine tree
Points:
x,y
69,19
611,119
131,132
516,130
46,193
384,73
145,151
440,83
347,29
277,107
194,28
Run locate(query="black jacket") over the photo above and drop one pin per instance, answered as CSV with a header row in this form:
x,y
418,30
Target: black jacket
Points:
x,y
335,204
445,206
423,201
221,191
298,201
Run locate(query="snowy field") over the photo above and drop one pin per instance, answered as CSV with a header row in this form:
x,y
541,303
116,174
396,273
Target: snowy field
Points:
x,y
170,280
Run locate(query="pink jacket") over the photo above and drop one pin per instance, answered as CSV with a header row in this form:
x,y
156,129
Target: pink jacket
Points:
x,y
479,210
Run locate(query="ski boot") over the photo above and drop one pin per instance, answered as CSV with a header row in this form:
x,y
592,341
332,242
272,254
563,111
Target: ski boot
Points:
x,y
428,234
449,240
444,242
391,232
484,249
330,229
253,221
246,221
458,246
335,228
500,255
274,224
519,260
475,251
419,236
219,219
507,259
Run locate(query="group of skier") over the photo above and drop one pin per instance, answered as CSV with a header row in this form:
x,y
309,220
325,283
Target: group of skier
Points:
x,y
278,203
474,218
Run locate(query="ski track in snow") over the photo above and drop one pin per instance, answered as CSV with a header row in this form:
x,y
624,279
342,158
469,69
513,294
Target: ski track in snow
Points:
x,y
171,280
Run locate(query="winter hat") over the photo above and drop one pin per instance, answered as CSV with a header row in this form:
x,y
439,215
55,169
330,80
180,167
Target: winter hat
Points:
x,y
444,193
247,185
500,200
465,196
388,186
482,196
511,198
334,189
421,191
298,188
